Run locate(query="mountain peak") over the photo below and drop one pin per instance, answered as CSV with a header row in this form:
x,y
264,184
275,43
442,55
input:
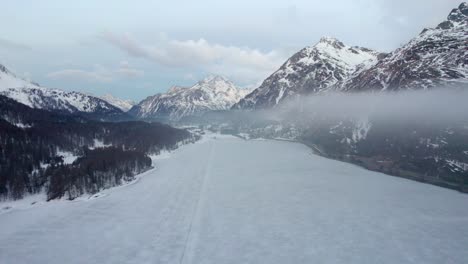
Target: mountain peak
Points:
x,y
214,83
313,69
330,41
175,89
4,69
212,93
457,17
463,8
214,78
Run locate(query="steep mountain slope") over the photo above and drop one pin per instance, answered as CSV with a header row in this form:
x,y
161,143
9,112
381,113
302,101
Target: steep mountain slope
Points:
x,y
436,57
312,69
122,104
212,93
35,96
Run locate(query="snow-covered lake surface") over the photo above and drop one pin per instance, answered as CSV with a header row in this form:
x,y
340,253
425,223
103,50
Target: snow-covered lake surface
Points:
x,y
227,200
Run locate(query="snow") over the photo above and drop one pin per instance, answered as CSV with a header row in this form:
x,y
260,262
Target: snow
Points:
x,y
280,95
35,96
27,202
17,124
10,80
211,93
345,54
68,157
244,136
21,125
98,143
227,200
319,67
123,105
457,165
361,130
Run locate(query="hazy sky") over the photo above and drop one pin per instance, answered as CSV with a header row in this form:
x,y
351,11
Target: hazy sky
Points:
x,y
133,49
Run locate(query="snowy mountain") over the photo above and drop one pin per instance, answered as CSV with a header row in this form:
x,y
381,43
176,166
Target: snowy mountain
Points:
x,y
35,96
212,93
312,69
122,104
436,57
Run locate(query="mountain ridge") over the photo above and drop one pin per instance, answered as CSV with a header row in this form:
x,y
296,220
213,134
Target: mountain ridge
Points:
x,y
212,93
437,57
36,96
312,69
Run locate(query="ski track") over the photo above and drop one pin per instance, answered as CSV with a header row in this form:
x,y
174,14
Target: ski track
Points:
x,y
228,200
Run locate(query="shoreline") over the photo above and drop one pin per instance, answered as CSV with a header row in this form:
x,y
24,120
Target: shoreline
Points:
x,y
372,165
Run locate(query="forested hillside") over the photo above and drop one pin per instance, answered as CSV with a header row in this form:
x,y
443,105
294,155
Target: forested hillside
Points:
x,y
37,147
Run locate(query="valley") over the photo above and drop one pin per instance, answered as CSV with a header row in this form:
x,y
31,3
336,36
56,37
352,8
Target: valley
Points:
x,y
274,142
228,200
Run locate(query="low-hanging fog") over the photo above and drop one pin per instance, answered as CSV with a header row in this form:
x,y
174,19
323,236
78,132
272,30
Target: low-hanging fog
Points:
x,y
438,106
434,109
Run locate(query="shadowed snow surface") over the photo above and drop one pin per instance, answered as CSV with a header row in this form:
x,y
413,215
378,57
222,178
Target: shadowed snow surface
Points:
x,y
227,200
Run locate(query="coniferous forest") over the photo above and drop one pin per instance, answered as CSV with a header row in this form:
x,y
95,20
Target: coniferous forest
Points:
x,y
33,143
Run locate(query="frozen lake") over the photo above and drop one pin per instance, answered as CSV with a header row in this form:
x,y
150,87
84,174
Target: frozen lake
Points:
x,y
227,200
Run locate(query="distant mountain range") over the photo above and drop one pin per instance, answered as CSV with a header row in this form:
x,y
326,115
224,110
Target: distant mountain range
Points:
x,y
437,57
210,94
35,96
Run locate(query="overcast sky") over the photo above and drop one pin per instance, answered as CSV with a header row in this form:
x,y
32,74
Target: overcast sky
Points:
x,y
133,49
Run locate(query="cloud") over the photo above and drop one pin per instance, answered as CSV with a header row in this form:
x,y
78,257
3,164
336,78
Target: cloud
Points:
x,y
7,44
445,104
201,54
126,71
98,74
189,76
80,75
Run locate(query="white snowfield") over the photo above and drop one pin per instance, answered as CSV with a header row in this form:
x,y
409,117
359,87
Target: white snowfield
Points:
x,y
227,200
